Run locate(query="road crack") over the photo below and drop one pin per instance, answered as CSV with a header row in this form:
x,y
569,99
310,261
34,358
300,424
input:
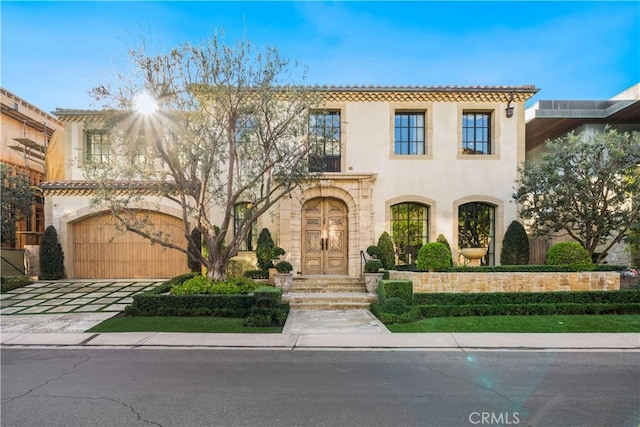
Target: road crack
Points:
x,y
73,370
119,402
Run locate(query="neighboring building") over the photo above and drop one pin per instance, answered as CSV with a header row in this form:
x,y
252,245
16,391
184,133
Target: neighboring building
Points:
x,y
412,161
548,120
26,133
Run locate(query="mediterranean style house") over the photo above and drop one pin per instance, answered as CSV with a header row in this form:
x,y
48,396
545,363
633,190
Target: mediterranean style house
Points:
x,y
26,134
551,119
415,162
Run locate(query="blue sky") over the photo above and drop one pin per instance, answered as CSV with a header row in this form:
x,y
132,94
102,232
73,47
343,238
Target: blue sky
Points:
x,y
54,52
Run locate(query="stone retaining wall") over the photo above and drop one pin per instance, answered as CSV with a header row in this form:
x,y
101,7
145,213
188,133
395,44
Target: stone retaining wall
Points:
x,y
510,282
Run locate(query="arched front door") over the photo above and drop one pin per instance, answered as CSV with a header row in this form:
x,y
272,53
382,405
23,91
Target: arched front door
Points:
x,y
324,236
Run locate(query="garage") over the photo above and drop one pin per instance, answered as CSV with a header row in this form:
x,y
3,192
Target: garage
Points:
x,y
101,251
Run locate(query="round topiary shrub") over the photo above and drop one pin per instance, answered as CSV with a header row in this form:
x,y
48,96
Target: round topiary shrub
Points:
x,y
394,305
570,253
284,267
433,256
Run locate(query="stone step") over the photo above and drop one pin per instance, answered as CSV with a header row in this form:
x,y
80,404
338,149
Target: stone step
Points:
x,y
329,301
332,306
328,284
327,288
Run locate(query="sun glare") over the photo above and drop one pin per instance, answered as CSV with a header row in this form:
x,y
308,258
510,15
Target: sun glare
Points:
x,y
145,103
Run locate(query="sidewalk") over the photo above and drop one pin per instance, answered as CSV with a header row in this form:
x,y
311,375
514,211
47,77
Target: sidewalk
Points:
x,y
422,341
304,330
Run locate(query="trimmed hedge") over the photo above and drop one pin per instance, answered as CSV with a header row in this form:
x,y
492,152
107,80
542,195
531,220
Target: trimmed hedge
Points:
x,y
267,296
157,302
527,269
395,288
526,309
10,283
190,305
500,298
512,304
256,274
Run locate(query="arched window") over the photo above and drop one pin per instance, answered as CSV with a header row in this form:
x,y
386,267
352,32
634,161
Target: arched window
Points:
x,y
409,229
239,214
476,228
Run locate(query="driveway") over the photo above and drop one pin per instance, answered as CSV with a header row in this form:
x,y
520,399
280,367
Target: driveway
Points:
x,y
73,296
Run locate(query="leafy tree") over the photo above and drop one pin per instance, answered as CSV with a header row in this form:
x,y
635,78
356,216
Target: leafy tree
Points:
x,y
51,256
228,127
386,254
583,186
515,246
17,198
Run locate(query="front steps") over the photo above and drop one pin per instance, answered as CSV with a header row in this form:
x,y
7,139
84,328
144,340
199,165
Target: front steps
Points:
x,y
328,293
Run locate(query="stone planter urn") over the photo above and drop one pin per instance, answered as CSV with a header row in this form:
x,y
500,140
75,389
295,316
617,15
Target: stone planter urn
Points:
x,y
283,281
371,282
473,255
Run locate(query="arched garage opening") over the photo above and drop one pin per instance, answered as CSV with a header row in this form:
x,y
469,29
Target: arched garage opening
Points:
x,y
102,251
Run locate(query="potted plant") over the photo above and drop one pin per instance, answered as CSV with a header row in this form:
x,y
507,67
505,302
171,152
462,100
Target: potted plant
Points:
x,y
372,275
284,278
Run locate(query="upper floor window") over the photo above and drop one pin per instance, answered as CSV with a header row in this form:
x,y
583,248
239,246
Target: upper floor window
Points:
x,y
98,147
409,133
409,229
245,125
251,239
476,133
324,137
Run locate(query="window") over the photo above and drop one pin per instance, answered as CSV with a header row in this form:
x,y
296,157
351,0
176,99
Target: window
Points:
x,y
409,133
239,214
244,126
324,137
476,228
98,147
410,230
476,133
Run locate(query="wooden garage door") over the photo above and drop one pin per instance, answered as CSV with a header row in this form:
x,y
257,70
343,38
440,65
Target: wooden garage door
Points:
x,y
100,250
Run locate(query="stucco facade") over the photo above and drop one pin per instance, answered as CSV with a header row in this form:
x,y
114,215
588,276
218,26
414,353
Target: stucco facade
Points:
x,y
372,174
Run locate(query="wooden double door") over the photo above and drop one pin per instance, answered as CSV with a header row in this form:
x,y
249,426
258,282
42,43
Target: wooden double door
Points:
x,y
324,237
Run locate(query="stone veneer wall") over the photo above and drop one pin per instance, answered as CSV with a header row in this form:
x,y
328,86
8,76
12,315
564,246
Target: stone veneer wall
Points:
x,y
510,282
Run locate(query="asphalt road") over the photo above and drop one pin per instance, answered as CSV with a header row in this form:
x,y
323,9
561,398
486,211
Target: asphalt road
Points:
x,y
103,387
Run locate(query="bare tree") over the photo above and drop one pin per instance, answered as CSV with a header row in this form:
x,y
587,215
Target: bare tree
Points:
x,y
206,126
585,186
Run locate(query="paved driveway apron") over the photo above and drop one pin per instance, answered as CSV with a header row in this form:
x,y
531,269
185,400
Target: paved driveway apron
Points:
x,y
73,297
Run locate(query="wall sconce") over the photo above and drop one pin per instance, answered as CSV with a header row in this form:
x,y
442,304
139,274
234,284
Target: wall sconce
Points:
x,y
509,109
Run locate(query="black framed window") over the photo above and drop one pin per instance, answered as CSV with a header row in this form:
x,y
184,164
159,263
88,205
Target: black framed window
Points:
x,y
251,239
409,133
324,137
98,147
409,229
476,133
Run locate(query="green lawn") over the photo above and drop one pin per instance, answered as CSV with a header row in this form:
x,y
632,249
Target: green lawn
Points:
x,y
556,323
178,324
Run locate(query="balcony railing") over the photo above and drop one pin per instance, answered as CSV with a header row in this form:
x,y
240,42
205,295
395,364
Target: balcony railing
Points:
x,y
324,163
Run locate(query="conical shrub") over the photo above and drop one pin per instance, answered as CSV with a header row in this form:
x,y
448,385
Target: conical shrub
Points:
x,y
51,256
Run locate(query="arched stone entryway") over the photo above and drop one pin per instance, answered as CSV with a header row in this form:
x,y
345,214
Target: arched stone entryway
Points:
x,y
325,235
